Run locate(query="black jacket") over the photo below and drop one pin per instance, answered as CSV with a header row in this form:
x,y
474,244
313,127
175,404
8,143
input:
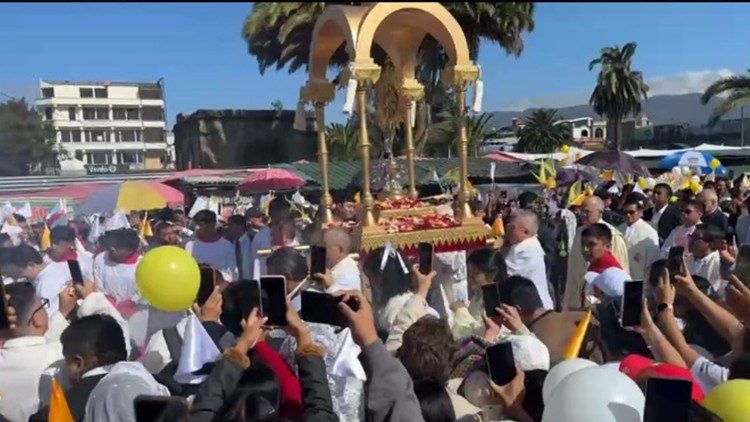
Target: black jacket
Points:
x,y
717,219
668,221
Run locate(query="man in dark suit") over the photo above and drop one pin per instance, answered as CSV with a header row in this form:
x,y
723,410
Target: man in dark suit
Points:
x,y
664,217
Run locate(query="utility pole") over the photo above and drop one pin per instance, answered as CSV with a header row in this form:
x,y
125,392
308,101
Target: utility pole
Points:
x,y
742,126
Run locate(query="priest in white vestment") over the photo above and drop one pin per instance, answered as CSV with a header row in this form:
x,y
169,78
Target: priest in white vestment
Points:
x,y
641,238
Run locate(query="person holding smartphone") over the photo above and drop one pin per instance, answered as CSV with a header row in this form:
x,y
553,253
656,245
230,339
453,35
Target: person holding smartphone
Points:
x,y
63,248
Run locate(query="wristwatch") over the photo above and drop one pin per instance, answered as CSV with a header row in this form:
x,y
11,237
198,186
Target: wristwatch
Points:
x,y
663,306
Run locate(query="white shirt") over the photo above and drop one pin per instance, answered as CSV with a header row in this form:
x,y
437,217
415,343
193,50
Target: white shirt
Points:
x,y
345,276
708,267
262,240
50,282
643,247
85,260
526,259
451,274
657,216
709,374
116,279
246,249
678,237
218,254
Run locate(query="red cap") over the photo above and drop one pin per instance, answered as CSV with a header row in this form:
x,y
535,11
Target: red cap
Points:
x,y
640,368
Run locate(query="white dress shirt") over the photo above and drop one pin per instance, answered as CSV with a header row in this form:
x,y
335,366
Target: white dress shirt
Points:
x,y
678,237
526,259
218,254
708,267
345,276
657,216
643,247
116,279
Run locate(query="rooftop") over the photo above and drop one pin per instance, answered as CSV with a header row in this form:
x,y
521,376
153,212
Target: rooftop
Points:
x,y
102,83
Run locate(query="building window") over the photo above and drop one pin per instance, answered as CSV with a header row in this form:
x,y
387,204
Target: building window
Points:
x,y
152,114
128,135
120,113
79,155
48,92
598,133
153,135
86,92
96,136
70,136
149,93
100,92
134,157
584,133
48,113
98,113
71,113
98,157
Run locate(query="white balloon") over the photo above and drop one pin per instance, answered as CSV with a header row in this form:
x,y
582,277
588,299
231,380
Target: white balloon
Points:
x,y
558,373
611,366
695,178
595,395
686,171
677,171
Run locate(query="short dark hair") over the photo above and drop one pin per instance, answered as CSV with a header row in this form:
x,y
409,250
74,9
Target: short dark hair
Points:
x,y
205,216
697,204
521,292
598,231
97,336
434,401
489,262
62,234
123,239
525,199
633,200
24,255
239,298
392,280
428,349
665,187
237,220
712,233
19,218
22,297
288,262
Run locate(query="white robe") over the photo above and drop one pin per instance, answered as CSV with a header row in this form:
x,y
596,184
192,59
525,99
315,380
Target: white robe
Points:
x,y
643,247
526,259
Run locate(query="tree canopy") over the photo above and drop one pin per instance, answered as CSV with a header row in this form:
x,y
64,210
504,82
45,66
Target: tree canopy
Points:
x,y
26,142
543,132
738,89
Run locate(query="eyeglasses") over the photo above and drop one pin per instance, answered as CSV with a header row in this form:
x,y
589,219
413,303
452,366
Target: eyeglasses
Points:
x,y
45,305
687,211
631,212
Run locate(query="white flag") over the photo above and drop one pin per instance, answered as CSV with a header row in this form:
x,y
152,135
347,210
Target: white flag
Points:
x,y
197,350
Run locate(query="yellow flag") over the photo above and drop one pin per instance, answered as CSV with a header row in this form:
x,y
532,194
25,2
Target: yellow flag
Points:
x,y
145,230
46,240
498,229
575,191
576,339
58,406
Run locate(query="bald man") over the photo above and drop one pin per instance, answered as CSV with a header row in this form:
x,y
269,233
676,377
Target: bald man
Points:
x,y
712,216
344,270
591,213
525,256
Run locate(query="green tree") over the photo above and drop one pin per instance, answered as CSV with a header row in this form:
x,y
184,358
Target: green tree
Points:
x,y
619,89
543,132
444,135
343,140
279,35
26,142
738,88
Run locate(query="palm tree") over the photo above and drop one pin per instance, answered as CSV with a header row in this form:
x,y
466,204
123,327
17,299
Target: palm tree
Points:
x,y
619,89
444,135
279,35
543,132
738,88
343,140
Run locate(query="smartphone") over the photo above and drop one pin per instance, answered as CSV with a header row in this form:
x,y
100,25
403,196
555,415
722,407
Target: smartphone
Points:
x,y
317,260
273,299
426,253
207,284
4,322
729,238
742,266
75,271
323,308
160,409
632,304
667,399
491,298
674,260
500,363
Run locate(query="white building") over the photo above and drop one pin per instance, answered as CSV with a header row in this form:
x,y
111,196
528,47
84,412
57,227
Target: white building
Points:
x,y
588,130
106,123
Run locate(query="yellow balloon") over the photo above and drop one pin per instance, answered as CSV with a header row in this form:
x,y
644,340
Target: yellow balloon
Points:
x,y
642,183
695,187
729,400
168,278
714,164
565,149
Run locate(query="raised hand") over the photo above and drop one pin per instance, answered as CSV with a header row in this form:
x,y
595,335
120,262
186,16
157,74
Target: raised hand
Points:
x,y
211,309
423,282
252,329
361,322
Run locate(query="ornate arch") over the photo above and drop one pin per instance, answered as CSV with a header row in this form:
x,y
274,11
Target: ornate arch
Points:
x,y
336,25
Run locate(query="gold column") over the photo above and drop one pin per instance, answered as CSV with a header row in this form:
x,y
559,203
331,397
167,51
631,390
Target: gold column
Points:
x,y
413,91
368,219
321,93
461,76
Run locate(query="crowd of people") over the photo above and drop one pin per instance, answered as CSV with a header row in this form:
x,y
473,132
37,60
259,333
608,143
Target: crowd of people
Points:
x,y
413,348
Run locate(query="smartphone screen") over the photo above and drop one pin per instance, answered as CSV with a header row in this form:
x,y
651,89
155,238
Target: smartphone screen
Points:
x,y
491,298
323,308
160,408
667,399
632,303
674,260
426,252
4,323
500,363
75,271
317,260
273,299
208,281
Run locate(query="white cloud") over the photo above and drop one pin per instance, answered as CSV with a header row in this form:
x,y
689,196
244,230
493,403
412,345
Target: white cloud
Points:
x,y
683,83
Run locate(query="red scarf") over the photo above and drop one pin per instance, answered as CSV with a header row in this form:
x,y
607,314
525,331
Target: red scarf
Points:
x,y
214,237
130,259
604,262
70,256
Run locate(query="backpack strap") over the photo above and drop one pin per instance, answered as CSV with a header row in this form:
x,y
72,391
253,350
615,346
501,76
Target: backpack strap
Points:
x,y
174,343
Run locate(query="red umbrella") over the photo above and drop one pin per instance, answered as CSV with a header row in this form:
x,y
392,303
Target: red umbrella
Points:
x,y
265,180
174,197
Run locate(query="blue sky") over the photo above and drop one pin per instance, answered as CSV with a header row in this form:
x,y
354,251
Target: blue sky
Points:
x,y
197,48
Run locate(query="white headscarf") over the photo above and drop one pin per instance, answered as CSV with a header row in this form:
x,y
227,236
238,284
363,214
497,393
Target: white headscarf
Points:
x,y
112,398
